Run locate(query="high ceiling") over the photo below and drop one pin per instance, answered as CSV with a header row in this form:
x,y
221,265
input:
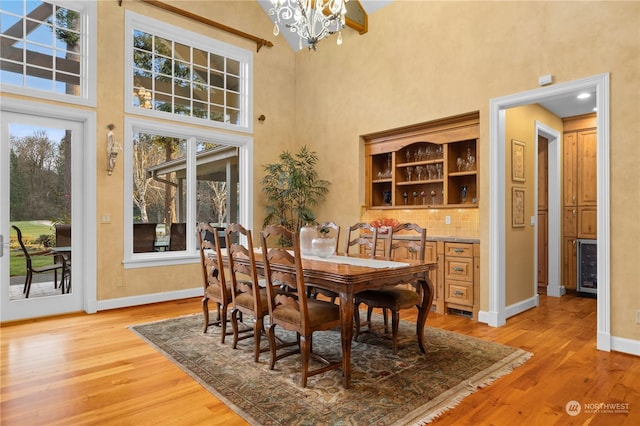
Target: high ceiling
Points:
x,y
562,106
369,6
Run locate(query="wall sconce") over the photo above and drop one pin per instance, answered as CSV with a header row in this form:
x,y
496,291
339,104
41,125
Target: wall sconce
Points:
x,y
112,149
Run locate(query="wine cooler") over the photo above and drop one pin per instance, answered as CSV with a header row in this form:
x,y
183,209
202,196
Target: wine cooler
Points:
x,y
587,263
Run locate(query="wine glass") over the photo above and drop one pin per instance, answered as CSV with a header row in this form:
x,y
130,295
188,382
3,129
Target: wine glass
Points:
x,y
433,197
419,171
409,172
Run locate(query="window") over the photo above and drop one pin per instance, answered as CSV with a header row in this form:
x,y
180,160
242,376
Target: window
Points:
x,y
181,75
179,176
46,49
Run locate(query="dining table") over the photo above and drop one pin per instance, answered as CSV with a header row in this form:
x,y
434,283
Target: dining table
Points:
x,y
65,255
350,274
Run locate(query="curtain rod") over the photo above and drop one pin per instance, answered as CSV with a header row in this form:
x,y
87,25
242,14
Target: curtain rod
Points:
x,y
259,41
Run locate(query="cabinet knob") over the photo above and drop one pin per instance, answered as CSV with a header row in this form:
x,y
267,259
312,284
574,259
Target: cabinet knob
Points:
x,y
573,211
458,293
458,250
460,269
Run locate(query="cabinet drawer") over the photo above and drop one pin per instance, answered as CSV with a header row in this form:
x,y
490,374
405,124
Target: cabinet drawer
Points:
x,y
459,292
458,268
458,249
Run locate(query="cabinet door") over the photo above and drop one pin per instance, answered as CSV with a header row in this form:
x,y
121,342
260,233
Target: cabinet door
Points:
x,y
542,248
543,172
570,221
588,222
569,170
569,263
587,168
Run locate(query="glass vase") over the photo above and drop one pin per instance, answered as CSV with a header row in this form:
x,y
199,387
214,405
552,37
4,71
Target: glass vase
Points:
x,y
307,233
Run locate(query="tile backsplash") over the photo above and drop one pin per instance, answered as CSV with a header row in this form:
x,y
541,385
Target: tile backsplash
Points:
x,y
464,222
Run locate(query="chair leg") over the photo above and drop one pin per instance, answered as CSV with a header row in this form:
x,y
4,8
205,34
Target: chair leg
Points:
x,y
234,325
27,284
205,311
395,321
257,335
305,349
386,320
356,321
272,345
223,323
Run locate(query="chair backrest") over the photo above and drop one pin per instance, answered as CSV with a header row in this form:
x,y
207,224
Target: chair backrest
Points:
x,y
284,288
212,267
144,237
335,228
178,237
407,248
237,251
355,238
25,252
63,234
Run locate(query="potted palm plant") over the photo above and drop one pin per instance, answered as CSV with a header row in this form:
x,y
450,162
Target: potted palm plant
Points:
x,y
293,188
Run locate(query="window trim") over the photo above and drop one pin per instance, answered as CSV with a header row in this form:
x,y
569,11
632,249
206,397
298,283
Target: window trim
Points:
x,y
88,64
245,160
245,57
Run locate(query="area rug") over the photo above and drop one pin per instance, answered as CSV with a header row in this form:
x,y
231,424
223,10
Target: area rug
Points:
x,y
386,389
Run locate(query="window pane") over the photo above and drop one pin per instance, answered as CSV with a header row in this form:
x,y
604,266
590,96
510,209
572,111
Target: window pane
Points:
x,y
52,41
158,189
187,80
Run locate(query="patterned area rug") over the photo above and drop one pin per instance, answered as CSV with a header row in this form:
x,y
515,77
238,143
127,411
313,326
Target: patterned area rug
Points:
x,y
409,388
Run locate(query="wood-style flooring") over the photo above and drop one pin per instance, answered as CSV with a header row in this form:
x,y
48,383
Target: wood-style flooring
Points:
x,y
91,370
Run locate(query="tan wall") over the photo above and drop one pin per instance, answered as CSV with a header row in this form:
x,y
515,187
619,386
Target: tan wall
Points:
x,y
423,60
519,241
273,97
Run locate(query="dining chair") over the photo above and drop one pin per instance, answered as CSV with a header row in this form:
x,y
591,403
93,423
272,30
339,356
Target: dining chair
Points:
x,y
144,237
248,296
30,269
216,288
289,306
334,229
178,237
398,297
355,238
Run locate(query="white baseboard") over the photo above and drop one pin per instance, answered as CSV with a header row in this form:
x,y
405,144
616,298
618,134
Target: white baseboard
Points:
x,y
520,307
145,299
628,346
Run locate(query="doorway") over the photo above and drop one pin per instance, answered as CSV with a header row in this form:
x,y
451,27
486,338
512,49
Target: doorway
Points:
x,y
497,313
43,159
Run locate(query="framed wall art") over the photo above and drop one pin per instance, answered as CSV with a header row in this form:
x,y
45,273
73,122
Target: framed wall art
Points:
x,y
517,160
517,207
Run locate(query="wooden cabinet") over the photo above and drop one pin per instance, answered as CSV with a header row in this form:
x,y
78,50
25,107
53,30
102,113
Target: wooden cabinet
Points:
x,y
434,252
579,189
433,164
461,275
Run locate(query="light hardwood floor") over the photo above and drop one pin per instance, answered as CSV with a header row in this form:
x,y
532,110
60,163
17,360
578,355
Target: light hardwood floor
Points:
x,y
90,369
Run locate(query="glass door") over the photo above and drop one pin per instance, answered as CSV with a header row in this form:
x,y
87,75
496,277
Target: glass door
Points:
x,y
36,216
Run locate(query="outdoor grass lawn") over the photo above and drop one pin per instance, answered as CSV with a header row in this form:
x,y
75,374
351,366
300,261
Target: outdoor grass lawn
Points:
x,y
31,231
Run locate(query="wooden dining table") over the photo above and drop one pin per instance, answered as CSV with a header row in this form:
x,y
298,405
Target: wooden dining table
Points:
x,y
348,275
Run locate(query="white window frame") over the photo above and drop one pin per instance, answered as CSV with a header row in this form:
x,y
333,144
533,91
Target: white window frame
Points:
x,y
88,61
192,134
134,21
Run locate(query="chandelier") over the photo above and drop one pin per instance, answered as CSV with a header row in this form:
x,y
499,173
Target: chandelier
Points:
x,y
312,20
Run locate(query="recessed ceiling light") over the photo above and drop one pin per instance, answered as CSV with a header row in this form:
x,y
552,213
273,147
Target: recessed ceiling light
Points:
x,y
584,95
595,108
